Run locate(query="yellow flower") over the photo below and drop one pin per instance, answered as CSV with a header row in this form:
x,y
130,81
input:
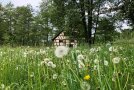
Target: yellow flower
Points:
x,y
87,77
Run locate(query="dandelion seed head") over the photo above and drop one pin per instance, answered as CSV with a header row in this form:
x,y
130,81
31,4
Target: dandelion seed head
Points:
x,y
121,48
49,64
2,86
32,74
61,51
96,61
25,54
113,79
55,76
113,49
105,63
80,57
46,60
53,65
85,86
116,60
81,64
64,83
95,67
93,50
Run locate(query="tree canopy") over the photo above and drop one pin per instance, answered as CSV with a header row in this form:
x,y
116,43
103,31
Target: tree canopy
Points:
x,y
92,20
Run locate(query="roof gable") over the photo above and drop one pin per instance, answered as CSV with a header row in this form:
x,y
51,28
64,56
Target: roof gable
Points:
x,y
57,35
73,35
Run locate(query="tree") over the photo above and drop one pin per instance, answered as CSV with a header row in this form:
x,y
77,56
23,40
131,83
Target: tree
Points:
x,y
82,17
106,30
23,17
2,24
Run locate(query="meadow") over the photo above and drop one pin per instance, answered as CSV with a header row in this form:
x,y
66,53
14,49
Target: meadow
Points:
x,y
104,67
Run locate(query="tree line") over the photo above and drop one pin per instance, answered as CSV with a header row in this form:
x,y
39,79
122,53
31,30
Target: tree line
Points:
x,y
91,20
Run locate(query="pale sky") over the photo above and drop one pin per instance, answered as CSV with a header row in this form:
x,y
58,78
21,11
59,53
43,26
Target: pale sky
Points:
x,y
34,3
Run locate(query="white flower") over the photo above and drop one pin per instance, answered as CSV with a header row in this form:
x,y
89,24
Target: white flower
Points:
x,y
95,67
93,50
61,51
53,65
113,79
105,63
25,54
81,64
32,74
2,86
121,48
55,76
80,57
64,83
42,51
96,61
112,49
116,60
49,64
85,86
45,61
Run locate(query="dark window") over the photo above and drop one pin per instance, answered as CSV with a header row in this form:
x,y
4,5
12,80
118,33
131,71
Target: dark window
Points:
x,y
72,40
60,41
70,45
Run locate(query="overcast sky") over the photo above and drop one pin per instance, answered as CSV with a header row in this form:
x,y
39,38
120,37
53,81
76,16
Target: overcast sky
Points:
x,y
34,3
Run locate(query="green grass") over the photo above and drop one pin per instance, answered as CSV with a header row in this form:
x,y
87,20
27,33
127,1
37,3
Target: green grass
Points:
x,y
21,69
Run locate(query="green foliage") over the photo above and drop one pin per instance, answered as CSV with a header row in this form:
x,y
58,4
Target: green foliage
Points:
x,y
106,31
19,26
24,68
128,10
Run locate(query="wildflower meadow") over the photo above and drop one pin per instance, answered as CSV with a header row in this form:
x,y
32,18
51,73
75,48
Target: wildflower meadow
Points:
x,y
105,67
66,44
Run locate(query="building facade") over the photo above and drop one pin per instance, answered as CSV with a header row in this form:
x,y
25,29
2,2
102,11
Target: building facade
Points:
x,y
62,40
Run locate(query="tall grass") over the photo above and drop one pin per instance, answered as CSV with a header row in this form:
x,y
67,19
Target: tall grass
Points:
x,y
21,69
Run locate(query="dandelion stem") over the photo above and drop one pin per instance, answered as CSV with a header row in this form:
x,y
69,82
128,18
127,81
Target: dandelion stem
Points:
x,y
126,82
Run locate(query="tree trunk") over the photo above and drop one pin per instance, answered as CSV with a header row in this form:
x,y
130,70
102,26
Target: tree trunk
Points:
x,y
90,9
97,20
82,6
